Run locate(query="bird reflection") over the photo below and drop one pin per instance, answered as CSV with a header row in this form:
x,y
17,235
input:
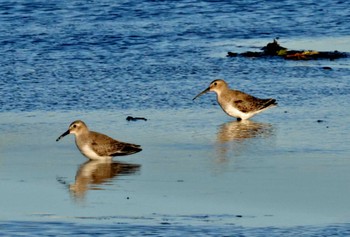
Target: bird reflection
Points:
x,y
234,135
93,173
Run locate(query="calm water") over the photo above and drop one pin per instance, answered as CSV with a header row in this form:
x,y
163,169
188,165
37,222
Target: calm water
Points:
x,y
284,173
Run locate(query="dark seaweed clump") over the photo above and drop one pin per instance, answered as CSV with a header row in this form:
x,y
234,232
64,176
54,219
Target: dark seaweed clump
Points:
x,y
275,50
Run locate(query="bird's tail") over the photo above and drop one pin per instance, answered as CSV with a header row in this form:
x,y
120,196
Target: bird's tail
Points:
x,y
269,103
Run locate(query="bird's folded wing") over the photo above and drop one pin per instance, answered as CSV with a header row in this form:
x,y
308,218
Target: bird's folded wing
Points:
x,y
247,103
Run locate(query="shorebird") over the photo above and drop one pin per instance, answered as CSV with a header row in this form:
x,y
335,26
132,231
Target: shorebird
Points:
x,y
97,146
236,103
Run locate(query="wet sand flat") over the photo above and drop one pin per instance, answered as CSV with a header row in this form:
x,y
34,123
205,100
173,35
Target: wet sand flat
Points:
x,y
263,172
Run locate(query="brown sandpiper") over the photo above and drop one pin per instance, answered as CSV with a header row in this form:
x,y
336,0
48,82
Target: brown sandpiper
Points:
x,y
98,146
237,103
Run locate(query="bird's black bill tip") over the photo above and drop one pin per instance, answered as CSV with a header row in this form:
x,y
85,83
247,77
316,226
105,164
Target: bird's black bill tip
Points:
x,y
203,92
63,135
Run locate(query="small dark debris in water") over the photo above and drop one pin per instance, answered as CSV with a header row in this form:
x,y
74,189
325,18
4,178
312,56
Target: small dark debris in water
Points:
x,y
130,118
327,68
274,49
165,223
180,181
286,112
320,121
127,198
239,216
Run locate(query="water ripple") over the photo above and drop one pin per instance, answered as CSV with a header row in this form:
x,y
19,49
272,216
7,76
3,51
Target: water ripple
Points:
x,y
72,55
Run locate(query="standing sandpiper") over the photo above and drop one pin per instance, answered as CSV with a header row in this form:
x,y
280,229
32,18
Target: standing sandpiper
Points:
x,y
236,103
97,146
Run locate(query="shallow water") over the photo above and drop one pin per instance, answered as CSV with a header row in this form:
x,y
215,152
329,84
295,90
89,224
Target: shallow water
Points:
x,y
165,229
283,173
261,173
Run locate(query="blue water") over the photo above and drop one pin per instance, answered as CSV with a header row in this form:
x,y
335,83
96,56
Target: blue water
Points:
x,y
146,56
86,55
163,229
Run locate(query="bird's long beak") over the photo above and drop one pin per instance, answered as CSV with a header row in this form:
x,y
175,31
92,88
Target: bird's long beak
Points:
x,y
63,134
203,92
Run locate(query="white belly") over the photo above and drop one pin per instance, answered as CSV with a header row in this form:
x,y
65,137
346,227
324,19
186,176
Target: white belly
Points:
x,y
232,111
91,154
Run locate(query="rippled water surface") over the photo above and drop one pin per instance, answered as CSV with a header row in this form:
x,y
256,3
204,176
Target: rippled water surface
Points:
x,y
285,172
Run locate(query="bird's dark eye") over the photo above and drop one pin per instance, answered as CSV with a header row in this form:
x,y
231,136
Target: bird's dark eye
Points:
x,y
215,83
74,126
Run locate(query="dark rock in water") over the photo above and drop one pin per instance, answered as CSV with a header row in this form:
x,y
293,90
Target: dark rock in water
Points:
x,y
274,49
130,118
252,54
231,54
327,68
